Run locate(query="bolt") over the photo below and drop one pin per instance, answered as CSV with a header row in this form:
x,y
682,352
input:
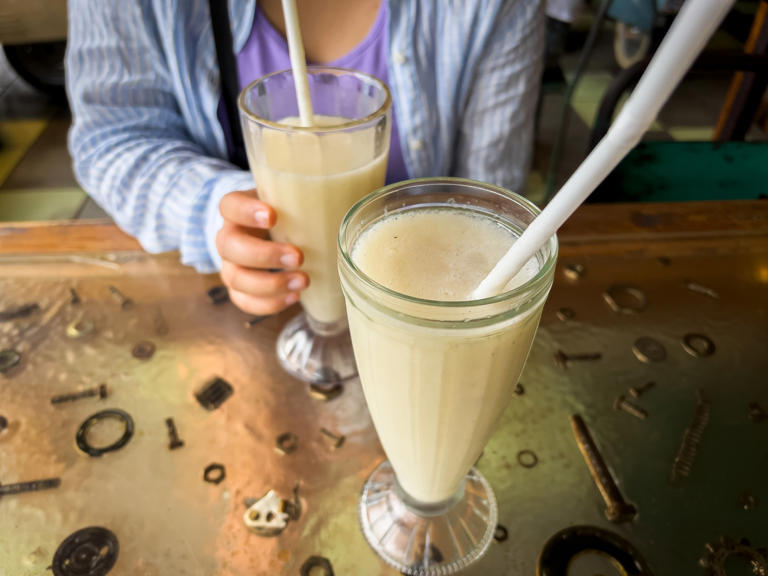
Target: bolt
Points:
x,y
125,302
100,391
636,392
562,359
622,404
20,312
336,440
32,486
173,435
617,508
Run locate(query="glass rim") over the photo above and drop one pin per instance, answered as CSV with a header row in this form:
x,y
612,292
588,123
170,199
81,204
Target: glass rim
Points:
x,y
531,285
379,112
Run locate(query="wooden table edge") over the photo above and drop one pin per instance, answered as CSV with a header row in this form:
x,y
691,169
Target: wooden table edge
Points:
x,y
592,223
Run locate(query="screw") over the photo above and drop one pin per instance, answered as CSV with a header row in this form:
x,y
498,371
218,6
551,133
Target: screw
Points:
x,y
617,508
701,289
125,302
173,435
562,359
100,391
689,446
622,404
519,389
32,486
74,297
336,440
639,391
251,322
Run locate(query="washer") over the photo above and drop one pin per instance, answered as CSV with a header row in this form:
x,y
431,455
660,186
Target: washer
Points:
x,y
527,458
214,473
633,299
564,546
698,345
82,433
649,350
88,552
8,359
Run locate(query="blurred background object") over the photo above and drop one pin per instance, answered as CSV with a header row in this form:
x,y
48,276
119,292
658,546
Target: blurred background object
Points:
x,y
709,141
33,34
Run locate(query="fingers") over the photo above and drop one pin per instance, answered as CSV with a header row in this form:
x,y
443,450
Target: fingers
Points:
x,y
259,306
238,246
245,209
262,283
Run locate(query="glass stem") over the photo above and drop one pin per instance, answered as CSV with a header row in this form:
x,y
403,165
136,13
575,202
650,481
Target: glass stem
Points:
x,y
429,509
326,328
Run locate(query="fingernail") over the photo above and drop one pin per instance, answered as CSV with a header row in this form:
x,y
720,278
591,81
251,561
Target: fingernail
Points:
x,y
296,283
292,298
290,260
261,218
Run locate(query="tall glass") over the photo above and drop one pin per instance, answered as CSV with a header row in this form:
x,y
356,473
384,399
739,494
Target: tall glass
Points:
x,y
437,377
312,176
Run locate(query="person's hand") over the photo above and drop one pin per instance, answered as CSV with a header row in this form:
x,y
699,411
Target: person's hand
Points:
x,y
260,274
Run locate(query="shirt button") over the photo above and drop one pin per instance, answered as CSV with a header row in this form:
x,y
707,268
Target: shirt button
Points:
x,y
416,144
398,58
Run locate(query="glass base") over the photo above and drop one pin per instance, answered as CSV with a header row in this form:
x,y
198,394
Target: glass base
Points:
x,y
438,539
317,352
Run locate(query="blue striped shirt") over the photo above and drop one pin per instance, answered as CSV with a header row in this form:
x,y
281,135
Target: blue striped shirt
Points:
x,y
143,84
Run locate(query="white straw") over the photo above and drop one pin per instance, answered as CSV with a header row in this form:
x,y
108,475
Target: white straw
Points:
x,y
690,31
298,62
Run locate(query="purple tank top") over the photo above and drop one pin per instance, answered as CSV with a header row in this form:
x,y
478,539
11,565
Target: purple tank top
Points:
x,y
266,51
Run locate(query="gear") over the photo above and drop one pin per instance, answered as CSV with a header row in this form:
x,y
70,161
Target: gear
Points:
x,y
717,554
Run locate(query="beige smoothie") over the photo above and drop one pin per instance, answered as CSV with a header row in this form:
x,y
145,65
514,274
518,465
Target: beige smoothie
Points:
x,y
435,390
312,180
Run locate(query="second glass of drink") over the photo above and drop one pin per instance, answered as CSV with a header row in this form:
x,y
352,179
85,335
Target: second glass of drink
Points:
x,y
312,176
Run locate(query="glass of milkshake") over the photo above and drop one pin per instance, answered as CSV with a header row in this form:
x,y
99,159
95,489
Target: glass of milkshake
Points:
x,y
437,369
312,176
